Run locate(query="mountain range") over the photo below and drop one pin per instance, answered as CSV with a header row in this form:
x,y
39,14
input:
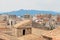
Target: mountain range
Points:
x,y
31,12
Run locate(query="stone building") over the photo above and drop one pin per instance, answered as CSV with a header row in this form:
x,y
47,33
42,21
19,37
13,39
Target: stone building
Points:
x,y
27,16
58,18
3,18
22,28
10,19
40,16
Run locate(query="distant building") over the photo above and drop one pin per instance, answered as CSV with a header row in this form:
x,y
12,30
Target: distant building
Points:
x,y
27,16
39,16
58,18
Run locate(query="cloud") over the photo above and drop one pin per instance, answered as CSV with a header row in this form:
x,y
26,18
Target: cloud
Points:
x,y
11,5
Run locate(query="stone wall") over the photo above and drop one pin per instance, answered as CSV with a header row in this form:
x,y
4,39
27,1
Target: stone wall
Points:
x,y
19,31
38,31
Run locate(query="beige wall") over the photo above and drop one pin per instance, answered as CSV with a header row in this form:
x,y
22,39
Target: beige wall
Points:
x,y
19,32
14,32
28,31
38,31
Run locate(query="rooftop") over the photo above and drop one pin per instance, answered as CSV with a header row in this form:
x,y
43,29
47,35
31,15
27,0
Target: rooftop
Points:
x,y
22,23
53,33
31,37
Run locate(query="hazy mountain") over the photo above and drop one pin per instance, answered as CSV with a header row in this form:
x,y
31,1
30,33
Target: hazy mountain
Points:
x,y
32,12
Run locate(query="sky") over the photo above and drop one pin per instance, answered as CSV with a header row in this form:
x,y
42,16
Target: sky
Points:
x,y
13,5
